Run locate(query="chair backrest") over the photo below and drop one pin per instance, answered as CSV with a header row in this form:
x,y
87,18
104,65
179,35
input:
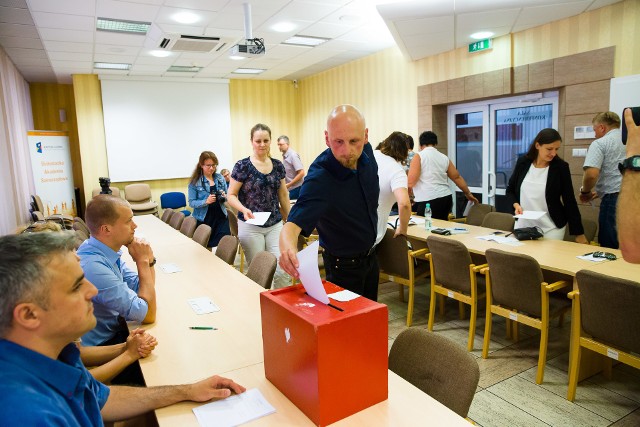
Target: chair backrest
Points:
x,y
451,261
233,222
499,221
227,249
188,226
173,199
176,220
515,281
167,214
392,255
590,229
81,231
38,202
478,212
115,191
137,193
262,269
202,234
437,366
609,309
79,224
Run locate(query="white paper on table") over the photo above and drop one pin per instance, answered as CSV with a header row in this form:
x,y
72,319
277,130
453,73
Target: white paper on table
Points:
x,y
310,274
343,296
504,240
203,305
416,220
530,215
260,218
170,268
234,410
591,258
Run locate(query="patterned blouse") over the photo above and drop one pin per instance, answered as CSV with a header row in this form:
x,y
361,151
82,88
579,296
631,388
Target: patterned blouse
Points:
x,y
259,192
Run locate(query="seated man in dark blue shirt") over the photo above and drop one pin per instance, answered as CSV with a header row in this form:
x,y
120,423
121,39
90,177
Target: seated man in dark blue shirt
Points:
x,y
46,305
339,197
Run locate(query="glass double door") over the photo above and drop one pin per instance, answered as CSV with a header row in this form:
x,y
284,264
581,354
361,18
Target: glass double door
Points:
x,y
486,139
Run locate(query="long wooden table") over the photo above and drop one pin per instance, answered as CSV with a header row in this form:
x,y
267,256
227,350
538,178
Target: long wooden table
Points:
x,y
235,349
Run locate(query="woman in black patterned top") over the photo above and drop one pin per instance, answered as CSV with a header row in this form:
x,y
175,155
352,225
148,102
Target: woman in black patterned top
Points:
x,y
258,185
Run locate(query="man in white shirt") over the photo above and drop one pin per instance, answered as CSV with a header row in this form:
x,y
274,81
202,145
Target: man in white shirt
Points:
x,y
293,167
601,175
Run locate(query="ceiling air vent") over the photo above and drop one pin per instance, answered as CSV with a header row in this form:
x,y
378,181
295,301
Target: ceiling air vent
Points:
x,y
182,43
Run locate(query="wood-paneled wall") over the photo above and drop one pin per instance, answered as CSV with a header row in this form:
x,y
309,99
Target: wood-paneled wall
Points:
x,y
47,99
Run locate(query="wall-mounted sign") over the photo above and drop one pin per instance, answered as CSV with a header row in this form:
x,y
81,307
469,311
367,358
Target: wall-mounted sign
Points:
x,y
480,45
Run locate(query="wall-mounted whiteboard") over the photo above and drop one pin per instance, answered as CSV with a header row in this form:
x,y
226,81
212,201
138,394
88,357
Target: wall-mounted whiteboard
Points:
x,y
157,129
625,92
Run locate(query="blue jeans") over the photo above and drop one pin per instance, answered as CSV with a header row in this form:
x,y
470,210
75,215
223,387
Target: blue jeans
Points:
x,y
607,233
293,194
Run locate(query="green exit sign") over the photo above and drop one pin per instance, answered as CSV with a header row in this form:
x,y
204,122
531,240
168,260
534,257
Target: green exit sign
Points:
x,y
480,45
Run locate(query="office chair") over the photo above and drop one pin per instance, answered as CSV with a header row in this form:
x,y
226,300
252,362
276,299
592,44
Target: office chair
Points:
x,y
437,366
604,319
174,200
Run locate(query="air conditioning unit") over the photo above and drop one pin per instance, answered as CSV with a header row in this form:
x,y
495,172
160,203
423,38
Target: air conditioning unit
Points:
x,y
184,43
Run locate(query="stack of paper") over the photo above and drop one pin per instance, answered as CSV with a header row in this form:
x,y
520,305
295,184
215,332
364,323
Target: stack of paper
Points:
x,y
234,410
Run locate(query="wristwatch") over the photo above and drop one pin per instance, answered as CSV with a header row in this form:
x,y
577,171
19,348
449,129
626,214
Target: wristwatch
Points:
x,y
152,263
631,163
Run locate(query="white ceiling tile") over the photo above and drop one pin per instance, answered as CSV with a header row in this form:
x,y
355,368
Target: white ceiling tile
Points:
x,y
67,22
534,16
21,42
151,69
213,5
480,20
20,4
60,35
107,37
18,30
326,29
306,11
125,10
27,62
124,59
15,52
70,65
71,7
189,30
15,15
70,56
150,60
411,27
55,46
166,14
111,49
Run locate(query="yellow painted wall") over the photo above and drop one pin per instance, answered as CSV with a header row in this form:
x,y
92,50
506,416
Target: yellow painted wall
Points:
x,y
383,86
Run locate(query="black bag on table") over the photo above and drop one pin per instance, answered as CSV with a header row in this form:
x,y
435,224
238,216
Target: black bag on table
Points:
x,y
528,233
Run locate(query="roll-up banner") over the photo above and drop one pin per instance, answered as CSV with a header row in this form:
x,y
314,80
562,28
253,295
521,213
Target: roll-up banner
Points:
x,y
52,171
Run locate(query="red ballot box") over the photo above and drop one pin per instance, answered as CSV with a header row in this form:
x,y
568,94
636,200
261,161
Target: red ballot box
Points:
x,y
331,362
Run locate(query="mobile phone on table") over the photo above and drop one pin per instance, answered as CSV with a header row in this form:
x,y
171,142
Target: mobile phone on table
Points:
x,y
636,119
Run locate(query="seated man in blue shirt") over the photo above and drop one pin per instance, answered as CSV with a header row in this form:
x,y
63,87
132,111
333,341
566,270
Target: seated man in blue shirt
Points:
x,y
339,197
122,293
45,306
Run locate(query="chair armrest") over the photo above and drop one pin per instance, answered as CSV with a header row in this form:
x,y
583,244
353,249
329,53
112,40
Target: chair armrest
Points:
x,y
556,285
485,270
480,268
573,294
419,252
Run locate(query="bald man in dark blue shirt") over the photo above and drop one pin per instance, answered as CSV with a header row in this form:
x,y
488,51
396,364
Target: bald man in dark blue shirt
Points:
x,y
339,197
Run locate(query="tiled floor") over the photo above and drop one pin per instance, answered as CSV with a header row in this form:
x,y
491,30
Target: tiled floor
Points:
x,y
507,394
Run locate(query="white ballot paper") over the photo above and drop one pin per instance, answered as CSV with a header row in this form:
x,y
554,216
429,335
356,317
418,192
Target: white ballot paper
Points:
x,y
203,305
310,274
260,218
530,215
344,295
504,240
590,257
234,410
170,268
416,220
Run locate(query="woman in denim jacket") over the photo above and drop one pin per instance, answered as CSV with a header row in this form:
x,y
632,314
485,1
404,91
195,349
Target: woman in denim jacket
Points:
x,y
207,195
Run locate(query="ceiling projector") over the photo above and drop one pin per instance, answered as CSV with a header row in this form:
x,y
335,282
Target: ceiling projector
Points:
x,y
251,48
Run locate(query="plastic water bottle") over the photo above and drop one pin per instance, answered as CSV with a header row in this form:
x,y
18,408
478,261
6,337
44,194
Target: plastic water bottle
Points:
x,y
428,225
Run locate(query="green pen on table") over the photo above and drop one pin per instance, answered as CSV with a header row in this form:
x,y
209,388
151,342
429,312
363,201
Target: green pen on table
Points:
x,y
203,328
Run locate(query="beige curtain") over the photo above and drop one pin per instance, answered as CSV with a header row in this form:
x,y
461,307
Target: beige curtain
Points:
x,y
16,179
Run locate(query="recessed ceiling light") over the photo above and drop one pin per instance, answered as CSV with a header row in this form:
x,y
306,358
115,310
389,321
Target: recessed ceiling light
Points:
x,y
111,66
160,53
299,40
236,57
248,71
186,17
122,26
284,27
185,68
481,35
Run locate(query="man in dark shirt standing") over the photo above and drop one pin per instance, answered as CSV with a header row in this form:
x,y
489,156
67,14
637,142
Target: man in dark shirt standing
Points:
x,y
339,197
